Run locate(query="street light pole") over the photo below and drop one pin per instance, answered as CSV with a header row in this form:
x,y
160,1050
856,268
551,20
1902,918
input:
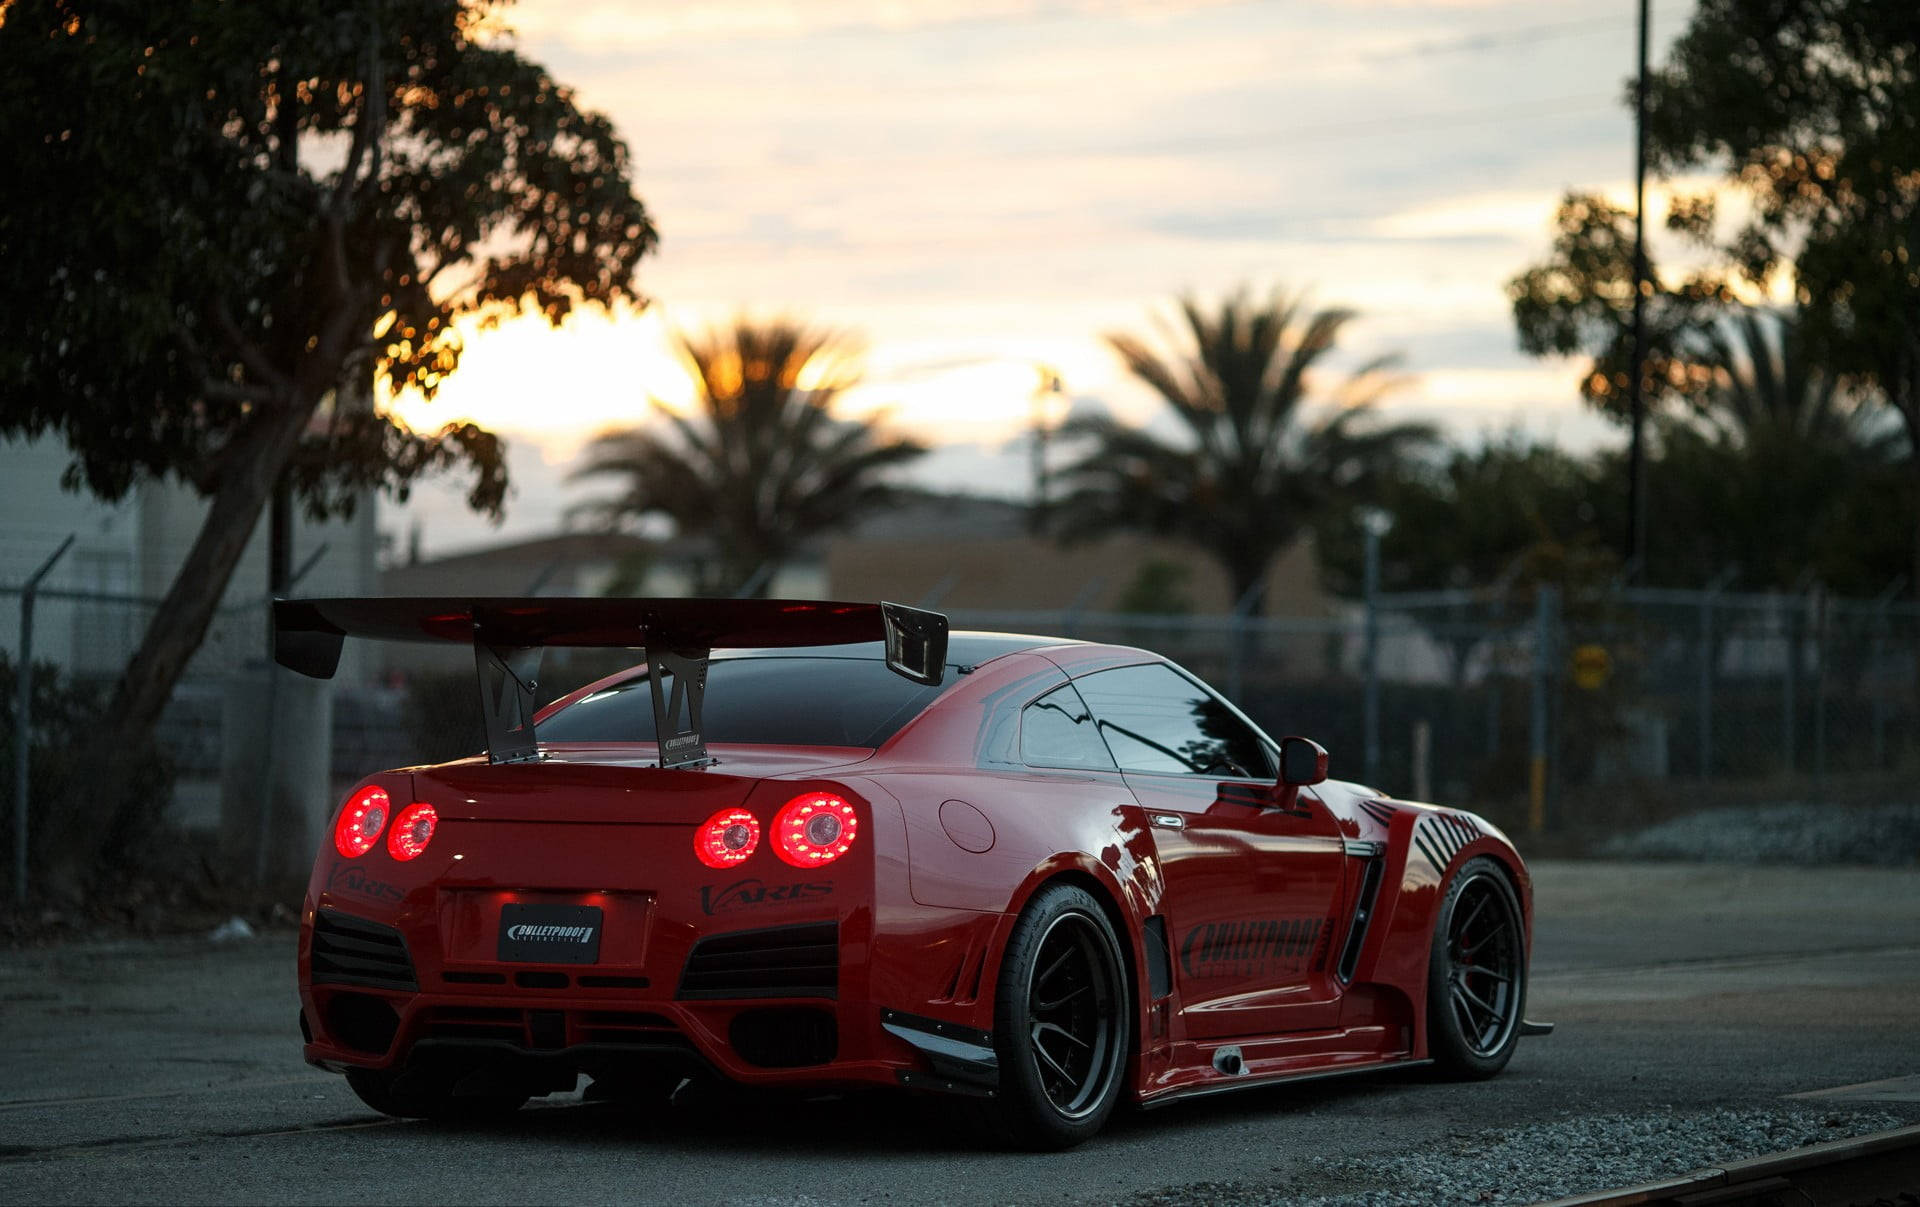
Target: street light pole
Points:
x,y
1636,400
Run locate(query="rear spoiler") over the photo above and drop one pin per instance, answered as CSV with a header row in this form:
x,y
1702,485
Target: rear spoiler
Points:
x,y
507,636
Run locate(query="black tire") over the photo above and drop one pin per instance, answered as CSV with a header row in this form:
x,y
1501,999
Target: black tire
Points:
x,y
1477,976
418,1095
1062,1024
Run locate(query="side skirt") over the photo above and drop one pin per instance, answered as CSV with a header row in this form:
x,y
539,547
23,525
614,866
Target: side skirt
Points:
x,y
1246,1083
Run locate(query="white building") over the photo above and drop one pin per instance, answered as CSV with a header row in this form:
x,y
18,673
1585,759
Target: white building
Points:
x,y
131,550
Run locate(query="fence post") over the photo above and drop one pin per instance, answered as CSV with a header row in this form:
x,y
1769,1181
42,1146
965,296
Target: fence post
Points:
x,y
1545,601
23,721
1791,635
1819,686
1423,759
1706,685
270,794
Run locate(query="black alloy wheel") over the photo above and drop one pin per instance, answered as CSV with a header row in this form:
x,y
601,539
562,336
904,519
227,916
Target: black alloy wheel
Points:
x,y
1476,986
1062,1023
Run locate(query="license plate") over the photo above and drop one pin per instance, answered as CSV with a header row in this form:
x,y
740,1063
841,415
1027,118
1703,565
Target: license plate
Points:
x,y
550,934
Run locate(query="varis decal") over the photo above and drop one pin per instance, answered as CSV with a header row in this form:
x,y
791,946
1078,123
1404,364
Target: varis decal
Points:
x,y
352,878
744,894
1244,949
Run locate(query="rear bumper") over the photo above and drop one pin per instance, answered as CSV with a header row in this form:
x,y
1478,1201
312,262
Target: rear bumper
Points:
x,y
770,1042
787,1005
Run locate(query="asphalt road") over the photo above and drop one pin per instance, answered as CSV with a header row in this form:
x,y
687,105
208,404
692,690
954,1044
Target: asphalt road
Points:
x,y
171,1072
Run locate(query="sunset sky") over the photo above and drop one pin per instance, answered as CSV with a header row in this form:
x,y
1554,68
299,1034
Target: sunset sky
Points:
x,y
975,186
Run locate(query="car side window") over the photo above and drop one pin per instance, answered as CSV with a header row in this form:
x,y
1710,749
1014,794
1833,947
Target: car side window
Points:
x,y
1057,731
1155,719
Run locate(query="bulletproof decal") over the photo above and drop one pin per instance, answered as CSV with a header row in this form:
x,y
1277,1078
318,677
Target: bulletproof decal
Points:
x,y
1241,949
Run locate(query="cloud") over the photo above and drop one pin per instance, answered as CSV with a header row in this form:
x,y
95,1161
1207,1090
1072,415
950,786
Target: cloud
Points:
x,y
1003,181
608,26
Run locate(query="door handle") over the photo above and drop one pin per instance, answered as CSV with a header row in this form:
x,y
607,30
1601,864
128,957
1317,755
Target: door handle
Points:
x,y
1168,821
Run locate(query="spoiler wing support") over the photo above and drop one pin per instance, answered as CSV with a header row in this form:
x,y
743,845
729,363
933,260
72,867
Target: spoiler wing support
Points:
x,y
508,677
916,643
676,707
677,635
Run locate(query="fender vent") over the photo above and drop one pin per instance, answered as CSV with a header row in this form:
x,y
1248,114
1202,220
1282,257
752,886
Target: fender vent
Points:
x,y
1159,960
784,961
353,951
1362,915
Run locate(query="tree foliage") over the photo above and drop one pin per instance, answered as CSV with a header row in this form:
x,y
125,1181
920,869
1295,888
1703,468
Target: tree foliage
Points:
x,y
762,466
235,208
1786,474
1811,110
220,221
1579,301
1468,521
1258,459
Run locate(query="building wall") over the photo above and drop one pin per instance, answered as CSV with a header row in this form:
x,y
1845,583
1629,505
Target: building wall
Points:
x,y
134,548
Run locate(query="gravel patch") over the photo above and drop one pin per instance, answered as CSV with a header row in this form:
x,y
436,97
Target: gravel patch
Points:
x,y
1542,1161
1884,835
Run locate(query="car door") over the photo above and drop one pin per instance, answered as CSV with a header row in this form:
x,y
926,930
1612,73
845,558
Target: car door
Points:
x,y
1251,888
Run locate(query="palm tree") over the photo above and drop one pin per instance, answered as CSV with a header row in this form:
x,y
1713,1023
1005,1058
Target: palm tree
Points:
x,y
1258,461
1769,389
761,466
1781,468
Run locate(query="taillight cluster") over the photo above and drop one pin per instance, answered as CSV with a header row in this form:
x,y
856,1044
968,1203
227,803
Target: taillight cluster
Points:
x,y
812,829
365,815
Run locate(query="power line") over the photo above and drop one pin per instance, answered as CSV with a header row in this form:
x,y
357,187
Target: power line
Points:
x,y
1388,125
1524,35
1404,123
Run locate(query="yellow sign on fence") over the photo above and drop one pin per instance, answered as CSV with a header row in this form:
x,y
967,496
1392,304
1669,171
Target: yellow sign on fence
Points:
x,y
1592,667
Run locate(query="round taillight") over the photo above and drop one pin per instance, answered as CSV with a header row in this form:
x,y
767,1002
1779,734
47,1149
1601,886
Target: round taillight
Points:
x,y
361,820
814,829
412,831
727,838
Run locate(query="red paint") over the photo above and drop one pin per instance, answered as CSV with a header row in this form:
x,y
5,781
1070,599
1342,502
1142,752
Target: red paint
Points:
x,y
1256,899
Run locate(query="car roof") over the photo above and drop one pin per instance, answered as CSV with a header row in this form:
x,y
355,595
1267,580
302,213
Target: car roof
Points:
x,y
965,647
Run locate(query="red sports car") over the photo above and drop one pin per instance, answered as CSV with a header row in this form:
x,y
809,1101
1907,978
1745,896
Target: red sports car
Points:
x,y
823,845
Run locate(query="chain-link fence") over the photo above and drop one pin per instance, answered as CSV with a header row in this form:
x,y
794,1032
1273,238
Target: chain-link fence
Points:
x,y
1543,712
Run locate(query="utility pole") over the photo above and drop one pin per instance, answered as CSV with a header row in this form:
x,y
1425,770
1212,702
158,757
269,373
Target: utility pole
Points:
x,y
1636,389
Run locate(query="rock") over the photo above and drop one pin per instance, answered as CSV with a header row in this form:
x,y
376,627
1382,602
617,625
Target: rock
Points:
x,y
232,930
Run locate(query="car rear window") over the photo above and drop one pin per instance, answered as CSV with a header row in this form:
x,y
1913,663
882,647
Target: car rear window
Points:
x,y
762,701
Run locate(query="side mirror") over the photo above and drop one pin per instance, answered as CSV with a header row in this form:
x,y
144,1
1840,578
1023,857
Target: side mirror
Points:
x,y
1302,762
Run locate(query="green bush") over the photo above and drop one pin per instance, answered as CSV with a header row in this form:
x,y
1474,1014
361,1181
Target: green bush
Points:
x,y
65,711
